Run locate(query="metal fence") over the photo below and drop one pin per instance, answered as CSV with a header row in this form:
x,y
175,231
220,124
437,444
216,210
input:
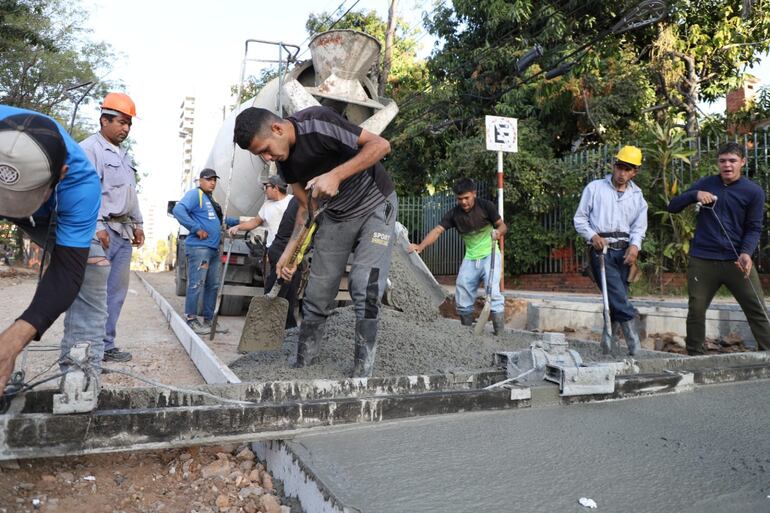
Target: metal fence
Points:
x,y
420,214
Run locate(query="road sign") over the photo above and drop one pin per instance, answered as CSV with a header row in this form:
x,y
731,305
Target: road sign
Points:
x,y
502,134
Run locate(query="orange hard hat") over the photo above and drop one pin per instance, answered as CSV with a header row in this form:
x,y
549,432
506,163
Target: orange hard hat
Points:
x,y
120,103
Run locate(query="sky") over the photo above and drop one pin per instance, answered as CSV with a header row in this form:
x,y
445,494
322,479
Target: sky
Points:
x,y
169,49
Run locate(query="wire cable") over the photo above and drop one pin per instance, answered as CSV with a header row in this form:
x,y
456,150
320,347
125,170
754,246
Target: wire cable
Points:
x,y
699,206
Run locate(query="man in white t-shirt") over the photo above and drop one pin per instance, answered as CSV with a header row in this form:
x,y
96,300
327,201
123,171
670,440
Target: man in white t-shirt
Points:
x,y
272,210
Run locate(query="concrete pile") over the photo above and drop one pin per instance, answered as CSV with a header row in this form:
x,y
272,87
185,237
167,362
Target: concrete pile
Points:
x,y
410,342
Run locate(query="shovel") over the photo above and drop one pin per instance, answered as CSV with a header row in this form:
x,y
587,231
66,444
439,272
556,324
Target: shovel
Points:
x,y
265,324
607,332
484,315
220,291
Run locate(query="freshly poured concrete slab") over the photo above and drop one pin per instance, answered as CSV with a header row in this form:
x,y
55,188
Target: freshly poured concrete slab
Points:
x,y
703,451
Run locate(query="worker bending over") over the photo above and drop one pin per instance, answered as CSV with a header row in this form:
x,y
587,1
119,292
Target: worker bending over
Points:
x,y
479,223
332,162
45,175
727,233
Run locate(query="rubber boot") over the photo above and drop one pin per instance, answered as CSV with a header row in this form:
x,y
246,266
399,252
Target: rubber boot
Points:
x,y
631,336
365,348
498,322
466,319
311,333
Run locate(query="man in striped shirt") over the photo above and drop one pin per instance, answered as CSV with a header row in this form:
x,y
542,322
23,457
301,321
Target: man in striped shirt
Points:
x,y
334,163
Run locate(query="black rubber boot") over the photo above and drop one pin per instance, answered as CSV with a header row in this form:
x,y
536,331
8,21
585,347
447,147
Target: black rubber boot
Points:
x,y
498,322
366,348
466,319
311,333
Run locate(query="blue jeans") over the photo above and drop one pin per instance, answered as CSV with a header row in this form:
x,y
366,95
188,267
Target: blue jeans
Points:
x,y
119,255
86,317
621,309
468,277
202,277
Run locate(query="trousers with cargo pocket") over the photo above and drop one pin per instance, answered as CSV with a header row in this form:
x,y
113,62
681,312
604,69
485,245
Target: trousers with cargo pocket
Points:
x,y
371,239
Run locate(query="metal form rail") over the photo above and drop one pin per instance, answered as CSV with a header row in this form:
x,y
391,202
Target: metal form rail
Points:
x,y
151,418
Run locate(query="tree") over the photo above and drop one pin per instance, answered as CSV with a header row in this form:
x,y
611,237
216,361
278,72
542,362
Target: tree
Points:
x,y
703,48
45,50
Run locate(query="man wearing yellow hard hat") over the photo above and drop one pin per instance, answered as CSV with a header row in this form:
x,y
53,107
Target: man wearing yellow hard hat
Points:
x,y
612,214
119,224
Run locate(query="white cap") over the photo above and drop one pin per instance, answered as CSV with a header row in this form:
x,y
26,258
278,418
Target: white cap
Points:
x,y
32,153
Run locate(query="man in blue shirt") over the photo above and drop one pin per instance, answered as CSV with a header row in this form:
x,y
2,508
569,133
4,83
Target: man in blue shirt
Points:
x,y
44,174
726,235
612,213
202,216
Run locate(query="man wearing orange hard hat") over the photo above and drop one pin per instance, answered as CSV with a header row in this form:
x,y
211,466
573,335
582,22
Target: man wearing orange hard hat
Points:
x,y
119,224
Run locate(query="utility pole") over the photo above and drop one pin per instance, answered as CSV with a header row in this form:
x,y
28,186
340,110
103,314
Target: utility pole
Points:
x,y
386,60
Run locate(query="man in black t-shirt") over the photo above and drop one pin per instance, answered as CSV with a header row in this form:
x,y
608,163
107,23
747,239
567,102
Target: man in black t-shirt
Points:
x,y
334,163
478,222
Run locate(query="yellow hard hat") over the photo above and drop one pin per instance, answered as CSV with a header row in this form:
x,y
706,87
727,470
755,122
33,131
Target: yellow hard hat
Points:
x,y
119,102
630,155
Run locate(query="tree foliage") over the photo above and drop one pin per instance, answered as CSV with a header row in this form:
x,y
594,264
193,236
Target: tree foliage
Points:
x,y
46,49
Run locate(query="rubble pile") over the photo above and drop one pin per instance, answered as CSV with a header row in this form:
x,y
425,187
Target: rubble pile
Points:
x,y
221,479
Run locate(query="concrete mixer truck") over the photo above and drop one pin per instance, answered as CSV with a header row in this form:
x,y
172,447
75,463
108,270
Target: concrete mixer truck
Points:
x,y
341,74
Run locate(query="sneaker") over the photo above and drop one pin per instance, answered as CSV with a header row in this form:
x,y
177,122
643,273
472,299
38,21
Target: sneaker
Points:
x,y
198,328
116,355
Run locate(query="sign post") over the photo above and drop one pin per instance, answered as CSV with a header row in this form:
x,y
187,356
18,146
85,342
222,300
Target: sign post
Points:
x,y
502,136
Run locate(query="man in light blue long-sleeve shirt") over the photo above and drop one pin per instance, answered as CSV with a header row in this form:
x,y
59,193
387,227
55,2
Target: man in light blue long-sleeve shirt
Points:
x,y
613,213
120,222
202,216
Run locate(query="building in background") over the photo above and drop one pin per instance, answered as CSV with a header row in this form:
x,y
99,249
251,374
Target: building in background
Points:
x,y
739,101
186,130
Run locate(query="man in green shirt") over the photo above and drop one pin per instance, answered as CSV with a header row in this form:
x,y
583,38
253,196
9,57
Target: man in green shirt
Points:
x,y
478,222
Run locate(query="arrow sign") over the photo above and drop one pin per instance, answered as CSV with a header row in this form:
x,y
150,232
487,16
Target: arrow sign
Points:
x,y
502,134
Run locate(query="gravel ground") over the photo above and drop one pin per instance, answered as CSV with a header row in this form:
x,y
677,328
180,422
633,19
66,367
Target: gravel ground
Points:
x,y
222,479
142,330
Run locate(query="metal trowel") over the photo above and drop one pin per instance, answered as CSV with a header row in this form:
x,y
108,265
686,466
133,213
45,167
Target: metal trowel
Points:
x,y
265,324
484,315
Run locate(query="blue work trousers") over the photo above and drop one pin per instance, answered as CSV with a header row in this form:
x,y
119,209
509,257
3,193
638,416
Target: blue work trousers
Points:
x,y
471,273
86,317
119,255
621,309
202,278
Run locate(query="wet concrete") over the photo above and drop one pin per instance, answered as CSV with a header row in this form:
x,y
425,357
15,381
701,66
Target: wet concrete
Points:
x,y
263,328
406,346
415,340
693,452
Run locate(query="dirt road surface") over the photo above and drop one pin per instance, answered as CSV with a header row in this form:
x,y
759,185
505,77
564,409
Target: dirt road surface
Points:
x,y
222,479
224,345
142,330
